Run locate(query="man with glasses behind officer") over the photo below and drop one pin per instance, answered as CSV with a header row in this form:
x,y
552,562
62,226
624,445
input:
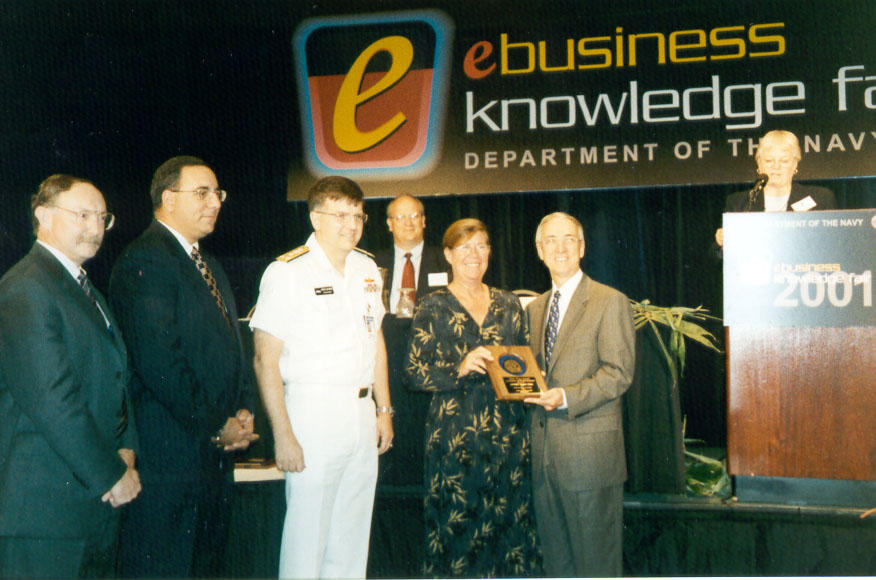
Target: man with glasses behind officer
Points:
x,y
409,262
319,360
66,448
191,392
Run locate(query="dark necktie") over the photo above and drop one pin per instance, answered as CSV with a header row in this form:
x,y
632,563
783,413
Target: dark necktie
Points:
x,y
86,287
123,411
207,274
550,332
408,280
89,291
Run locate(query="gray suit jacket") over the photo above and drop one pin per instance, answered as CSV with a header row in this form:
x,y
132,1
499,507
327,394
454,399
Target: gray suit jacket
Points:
x,y
593,360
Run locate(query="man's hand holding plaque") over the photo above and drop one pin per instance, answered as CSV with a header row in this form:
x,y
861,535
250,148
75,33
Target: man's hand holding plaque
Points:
x,y
514,373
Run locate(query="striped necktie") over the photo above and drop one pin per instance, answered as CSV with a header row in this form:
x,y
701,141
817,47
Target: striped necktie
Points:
x,y
550,332
89,291
122,425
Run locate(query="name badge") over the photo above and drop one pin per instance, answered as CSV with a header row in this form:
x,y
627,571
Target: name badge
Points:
x,y
325,290
438,279
804,204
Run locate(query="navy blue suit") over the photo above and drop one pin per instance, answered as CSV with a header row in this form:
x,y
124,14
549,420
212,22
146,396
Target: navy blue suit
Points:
x,y
189,377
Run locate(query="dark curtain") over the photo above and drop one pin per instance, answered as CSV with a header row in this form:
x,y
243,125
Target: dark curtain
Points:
x,y
652,422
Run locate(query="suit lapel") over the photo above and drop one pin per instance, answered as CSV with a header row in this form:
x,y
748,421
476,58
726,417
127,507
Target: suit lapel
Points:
x,y
192,277
423,277
74,294
538,308
116,334
189,273
576,309
797,193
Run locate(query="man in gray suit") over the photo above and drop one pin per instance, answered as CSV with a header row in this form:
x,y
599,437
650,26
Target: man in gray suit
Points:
x,y
583,337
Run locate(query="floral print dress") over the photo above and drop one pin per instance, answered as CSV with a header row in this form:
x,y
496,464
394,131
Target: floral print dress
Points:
x,y
478,505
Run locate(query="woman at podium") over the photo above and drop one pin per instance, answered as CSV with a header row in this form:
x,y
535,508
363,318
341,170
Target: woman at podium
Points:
x,y
777,157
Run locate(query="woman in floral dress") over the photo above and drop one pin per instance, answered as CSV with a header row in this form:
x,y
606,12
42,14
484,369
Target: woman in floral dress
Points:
x,y
478,506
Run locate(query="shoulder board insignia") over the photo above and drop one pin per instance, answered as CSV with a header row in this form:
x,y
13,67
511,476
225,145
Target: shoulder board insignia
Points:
x,y
367,253
292,254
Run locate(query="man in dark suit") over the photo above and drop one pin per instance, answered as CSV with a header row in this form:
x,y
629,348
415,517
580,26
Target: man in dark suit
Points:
x,y
583,337
66,447
190,391
427,270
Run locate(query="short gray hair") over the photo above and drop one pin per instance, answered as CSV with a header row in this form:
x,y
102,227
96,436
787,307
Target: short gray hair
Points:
x,y
557,215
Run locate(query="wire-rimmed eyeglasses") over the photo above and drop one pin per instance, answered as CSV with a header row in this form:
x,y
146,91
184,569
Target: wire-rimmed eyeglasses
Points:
x,y
106,219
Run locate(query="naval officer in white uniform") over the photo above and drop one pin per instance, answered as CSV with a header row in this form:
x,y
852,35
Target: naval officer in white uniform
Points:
x,y
320,361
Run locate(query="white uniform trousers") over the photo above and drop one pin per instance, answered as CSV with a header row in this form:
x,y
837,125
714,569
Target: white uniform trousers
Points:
x,y
329,504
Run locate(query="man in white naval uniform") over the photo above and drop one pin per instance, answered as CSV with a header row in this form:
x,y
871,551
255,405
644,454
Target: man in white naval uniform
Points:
x,y
320,361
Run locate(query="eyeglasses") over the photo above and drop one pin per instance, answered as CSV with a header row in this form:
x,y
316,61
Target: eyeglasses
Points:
x,y
567,242
106,219
411,216
203,193
344,217
466,248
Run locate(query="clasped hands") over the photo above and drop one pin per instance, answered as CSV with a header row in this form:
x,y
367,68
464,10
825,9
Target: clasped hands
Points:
x,y
128,487
237,433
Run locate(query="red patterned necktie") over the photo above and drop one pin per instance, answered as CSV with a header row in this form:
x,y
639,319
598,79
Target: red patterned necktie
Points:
x,y
207,274
408,280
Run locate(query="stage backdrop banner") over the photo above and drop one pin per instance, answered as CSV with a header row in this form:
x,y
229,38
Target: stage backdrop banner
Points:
x,y
499,97
799,269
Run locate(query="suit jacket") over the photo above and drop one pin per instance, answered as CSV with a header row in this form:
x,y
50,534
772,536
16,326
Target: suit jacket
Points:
x,y
63,376
593,360
189,369
823,198
432,261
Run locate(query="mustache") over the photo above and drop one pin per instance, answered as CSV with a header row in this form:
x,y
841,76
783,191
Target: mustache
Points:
x,y
91,240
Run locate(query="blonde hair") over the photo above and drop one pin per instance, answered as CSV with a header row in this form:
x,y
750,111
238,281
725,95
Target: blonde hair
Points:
x,y
781,137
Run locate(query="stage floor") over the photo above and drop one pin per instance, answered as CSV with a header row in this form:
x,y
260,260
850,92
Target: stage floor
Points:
x,y
663,536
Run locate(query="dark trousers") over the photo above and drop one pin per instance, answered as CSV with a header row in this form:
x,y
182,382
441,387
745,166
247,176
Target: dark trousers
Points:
x,y
91,557
177,530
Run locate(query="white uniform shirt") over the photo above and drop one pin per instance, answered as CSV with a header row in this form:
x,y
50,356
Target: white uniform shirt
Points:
x,y
328,323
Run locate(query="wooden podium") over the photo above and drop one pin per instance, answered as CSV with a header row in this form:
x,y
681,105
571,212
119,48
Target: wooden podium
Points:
x,y
801,352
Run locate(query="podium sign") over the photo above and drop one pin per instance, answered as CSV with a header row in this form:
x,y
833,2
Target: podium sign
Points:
x,y
799,307
800,269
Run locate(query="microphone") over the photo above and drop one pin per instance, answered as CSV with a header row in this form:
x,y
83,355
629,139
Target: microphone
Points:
x,y
759,184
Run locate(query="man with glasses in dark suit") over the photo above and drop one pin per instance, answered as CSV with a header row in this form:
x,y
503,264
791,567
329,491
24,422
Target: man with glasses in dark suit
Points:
x,y
191,391
67,449
409,263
